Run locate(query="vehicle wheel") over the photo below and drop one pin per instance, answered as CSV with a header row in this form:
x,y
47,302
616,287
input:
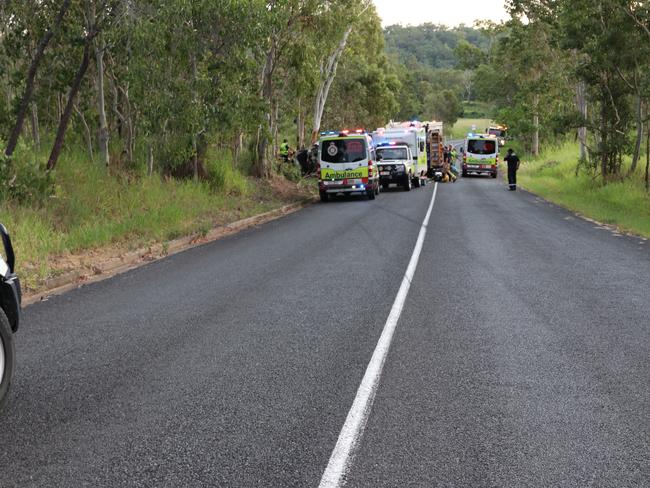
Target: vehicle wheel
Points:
x,y
494,175
377,189
324,196
407,183
6,358
384,187
371,194
464,174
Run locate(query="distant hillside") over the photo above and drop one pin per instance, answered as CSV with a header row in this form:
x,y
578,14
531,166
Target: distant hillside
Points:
x,y
430,44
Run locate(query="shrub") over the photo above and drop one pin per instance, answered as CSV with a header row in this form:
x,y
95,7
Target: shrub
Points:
x,y
23,180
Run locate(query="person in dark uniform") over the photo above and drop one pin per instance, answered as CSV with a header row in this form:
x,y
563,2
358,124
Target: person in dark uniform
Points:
x,y
513,165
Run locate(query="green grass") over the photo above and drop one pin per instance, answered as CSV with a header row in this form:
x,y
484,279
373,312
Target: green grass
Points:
x,y
474,109
460,129
92,209
624,204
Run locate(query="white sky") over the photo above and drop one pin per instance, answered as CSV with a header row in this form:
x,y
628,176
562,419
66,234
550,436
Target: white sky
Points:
x,y
448,12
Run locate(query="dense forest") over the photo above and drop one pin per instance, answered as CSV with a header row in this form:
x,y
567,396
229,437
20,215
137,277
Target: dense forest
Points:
x,y
433,45
578,68
556,69
149,86
435,64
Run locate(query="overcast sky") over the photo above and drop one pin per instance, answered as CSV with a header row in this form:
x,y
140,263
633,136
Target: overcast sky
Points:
x,y
448,12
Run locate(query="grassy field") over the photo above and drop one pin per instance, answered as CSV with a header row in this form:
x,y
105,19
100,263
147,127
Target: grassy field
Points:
x,y
552,175
92,209
476,109
460,129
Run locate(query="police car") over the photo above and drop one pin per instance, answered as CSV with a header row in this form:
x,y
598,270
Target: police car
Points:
x,y
347,164
395,165
10,297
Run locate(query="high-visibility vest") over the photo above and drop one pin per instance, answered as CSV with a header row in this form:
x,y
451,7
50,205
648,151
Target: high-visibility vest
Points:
x,y
284,149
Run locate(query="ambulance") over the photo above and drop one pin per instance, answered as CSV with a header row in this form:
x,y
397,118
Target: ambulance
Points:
x,y
347,164
480,154
414,135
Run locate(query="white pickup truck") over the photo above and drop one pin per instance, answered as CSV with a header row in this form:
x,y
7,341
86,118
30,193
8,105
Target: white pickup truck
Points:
x,y
395,165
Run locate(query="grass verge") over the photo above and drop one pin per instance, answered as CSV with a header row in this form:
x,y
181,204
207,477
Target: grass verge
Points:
x,y
92,209
460,129
624,204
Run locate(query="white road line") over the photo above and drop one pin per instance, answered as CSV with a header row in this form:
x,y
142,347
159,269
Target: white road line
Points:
x,y
355,423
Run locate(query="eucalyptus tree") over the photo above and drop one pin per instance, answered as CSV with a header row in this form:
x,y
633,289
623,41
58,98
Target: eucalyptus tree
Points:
x,y
91,22
25,19
337,24
364,93
322,28
604,39
598,31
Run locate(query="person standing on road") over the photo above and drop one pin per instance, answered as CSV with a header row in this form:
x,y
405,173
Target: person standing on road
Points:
x,y
513,165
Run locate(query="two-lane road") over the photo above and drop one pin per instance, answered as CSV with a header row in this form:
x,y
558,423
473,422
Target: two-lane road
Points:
x,y
521,357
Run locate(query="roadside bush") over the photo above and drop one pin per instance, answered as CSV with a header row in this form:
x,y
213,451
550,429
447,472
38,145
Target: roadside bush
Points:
x,y
290,171
23,180
223,178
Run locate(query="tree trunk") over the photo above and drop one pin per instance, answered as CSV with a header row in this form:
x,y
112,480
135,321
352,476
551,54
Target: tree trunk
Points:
x,y
274,126
195,158
12,141
195,98
65,118
328,72
536,126
150,159
87,133
103,136
300,126
36,133
639,134
581,101
603,142
263,165
647,159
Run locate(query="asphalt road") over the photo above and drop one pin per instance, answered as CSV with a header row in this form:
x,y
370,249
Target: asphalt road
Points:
x,y
522,357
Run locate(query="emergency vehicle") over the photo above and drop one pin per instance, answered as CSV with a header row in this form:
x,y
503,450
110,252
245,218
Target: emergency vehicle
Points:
x,y
347,164
395,165
499,131
480,155
10,297
414,135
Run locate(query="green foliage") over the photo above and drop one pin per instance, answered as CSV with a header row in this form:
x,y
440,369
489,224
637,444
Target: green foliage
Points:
x,y
363,93
598,49
442,105
477,110
435,46
469,56
430,60
223,178
23,180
